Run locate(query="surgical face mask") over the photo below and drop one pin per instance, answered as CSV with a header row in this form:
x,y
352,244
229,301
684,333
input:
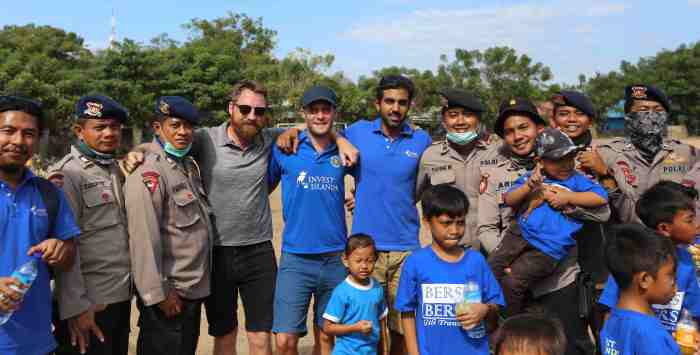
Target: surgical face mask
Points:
x,y
645,130
178,153
462,138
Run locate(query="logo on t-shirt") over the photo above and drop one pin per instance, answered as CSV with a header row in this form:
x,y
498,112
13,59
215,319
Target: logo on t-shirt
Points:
x,y
611,347
440,304
317,183
670,313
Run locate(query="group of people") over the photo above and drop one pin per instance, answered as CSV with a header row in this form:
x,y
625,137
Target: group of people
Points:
x,y
519,214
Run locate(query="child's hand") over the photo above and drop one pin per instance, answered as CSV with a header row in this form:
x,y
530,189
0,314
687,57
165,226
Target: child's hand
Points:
x,y
364,327
556,197
536,178
477,312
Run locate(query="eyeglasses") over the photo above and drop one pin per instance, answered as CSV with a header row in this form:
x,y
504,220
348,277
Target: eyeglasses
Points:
x,y
245,110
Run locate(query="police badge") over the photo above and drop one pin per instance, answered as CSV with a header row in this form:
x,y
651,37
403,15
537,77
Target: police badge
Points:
x,y
94,109
164,108
639,92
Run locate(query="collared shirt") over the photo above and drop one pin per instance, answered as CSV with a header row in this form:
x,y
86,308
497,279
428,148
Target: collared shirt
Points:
x,y
442,164
236,181
101,273
24,222
170,229
634,174
385,198
313,195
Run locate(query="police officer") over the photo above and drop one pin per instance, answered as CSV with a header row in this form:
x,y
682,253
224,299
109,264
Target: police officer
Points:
x,y
456,159
95,295
519,123
643,157
170,233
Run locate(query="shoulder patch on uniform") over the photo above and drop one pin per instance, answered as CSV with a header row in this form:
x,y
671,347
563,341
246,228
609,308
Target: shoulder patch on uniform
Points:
x,y
150,179
688,183
56,178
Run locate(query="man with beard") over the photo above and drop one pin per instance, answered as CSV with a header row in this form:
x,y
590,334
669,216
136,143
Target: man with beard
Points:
x,y
385,178
629,166
36,223
170,234
310,265
95,295
519,123
456,159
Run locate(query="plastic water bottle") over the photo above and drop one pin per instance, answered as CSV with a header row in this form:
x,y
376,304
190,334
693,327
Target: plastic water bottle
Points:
x,y
471,295
686,333
26,274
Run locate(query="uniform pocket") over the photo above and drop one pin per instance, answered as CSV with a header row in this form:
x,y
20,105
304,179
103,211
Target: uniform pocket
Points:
x,y
443,177
186,209
101,209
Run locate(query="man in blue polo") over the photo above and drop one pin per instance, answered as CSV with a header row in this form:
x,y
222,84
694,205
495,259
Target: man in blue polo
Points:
x,y
314,232
35,219
385,178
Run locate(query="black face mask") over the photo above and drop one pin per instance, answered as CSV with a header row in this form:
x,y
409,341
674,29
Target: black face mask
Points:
x,y
645,130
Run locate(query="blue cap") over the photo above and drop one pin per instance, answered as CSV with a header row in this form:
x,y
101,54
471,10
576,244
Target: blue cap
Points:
x,y
574,99
97,106
319,93
645,92
177,107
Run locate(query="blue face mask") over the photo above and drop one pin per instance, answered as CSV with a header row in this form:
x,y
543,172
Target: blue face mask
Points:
x,y
178,153
462,138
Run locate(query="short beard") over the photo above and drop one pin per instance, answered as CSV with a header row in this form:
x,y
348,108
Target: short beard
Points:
x,y
247,131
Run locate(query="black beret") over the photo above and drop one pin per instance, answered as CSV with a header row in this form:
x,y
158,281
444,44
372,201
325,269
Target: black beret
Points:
x,y
516,106
645,92
177,107
96,106
574,99
460,98
23,104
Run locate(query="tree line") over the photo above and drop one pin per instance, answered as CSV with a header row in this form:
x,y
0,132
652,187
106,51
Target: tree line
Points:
x,y
57,68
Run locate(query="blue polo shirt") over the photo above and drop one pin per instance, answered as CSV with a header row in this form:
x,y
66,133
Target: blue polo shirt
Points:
x,y
24,222
385,201
313,196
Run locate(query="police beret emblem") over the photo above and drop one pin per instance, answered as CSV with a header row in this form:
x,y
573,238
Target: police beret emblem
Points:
x,y
164,108
512,102
559,100
94,109
639,92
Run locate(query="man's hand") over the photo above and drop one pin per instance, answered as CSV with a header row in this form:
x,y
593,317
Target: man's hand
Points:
x,y
9,298
557,197
349,155
55,252
131,162
80,328
172,305
364,327
591,160
477,312
288,141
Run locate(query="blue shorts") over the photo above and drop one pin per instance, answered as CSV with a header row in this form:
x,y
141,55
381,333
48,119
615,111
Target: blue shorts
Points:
x,y
298,278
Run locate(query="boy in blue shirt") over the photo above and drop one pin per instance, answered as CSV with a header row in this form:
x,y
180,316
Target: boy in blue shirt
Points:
x,y
669,208
356,313
432,284
313,196
544,234
644,265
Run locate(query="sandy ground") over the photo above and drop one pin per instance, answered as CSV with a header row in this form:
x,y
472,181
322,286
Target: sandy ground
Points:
x,y
306,343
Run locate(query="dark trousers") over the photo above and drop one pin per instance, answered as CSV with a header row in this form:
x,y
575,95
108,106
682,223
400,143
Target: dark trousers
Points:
x,y
528,265
563,304
114,323
169,336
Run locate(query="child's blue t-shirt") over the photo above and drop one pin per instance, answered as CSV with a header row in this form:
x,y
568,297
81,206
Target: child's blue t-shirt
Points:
x,y
350,303
632,333
432,288
550,230
687,296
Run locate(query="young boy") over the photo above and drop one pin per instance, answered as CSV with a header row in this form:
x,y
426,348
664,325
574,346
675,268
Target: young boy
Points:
x,y
530,334
546,231
669,208
433,280
644,265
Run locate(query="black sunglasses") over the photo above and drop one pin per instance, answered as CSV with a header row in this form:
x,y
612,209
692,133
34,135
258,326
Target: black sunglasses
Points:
x,y
245,110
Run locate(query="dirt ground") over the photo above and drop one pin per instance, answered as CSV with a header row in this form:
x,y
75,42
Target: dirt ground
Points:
x,y
206,342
